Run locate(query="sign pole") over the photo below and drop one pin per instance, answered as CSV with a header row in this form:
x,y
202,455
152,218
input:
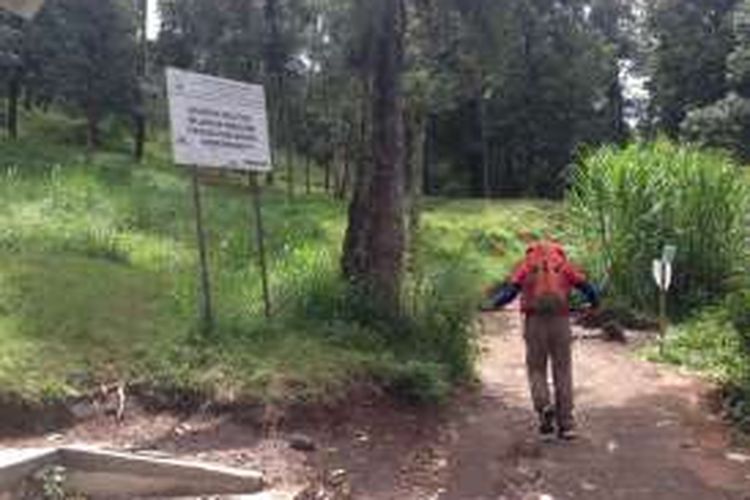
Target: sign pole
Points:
x,y
222,124
662,309
258,212
206,306
663,276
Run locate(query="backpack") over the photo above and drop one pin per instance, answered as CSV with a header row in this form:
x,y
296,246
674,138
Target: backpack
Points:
x,y
546,289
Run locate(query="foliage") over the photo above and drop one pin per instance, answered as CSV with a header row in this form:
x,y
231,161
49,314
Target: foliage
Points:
x,y
513,88
738,307
627,204
82,52
726,122
98,281
709,344
692,40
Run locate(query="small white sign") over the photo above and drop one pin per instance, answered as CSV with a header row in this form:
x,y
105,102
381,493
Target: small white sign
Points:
x,y
24,8
663,274
218,123
669,253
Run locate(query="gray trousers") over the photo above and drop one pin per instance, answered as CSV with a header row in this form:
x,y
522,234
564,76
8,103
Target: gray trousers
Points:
x,y
549,338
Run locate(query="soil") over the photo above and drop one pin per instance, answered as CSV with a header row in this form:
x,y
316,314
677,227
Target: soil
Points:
x,y
647,432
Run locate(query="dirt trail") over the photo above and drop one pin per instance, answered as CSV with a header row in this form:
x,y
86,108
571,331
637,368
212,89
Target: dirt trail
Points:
x,y
647,434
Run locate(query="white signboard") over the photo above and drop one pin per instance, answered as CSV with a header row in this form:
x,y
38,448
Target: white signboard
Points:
x,y
25,8
218,123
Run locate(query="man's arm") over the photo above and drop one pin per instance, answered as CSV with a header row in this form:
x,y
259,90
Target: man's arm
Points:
x,y
589,291
504,296
509,290
578,279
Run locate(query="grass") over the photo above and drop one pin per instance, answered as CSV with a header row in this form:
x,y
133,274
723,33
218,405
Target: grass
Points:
x,y
627,204
98,284
710,344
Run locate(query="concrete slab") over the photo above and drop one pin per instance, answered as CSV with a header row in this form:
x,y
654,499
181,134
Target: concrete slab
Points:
x,y
100,473
17,464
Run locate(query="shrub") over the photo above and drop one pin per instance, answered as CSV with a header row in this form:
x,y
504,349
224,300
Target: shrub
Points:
x,y
627,204
738,305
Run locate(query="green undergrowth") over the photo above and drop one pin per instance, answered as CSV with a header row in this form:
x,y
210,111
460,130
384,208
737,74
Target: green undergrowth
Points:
x,y
715,343
98,283
628,203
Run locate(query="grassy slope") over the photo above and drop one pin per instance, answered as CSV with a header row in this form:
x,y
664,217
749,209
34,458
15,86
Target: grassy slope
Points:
x,y
97,279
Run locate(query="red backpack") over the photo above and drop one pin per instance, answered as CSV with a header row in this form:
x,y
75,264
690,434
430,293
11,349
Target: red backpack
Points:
x,y
546,285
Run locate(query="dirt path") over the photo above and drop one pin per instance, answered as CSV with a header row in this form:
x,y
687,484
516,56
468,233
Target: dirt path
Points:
x,y
646,435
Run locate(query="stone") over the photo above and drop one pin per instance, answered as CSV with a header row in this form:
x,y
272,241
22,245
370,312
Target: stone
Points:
x,y
82,410
300,442
738,457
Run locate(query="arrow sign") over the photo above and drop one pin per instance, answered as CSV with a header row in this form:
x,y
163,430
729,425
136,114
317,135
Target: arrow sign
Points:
x,y
663,274
668,254
23,8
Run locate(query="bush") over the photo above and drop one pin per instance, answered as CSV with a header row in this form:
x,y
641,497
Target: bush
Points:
x,y
738,305
627,204
417,381
707,343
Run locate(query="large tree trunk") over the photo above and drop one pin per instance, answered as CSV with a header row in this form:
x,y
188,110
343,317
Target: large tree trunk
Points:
x,y
354,256
345,176
415,138
380,266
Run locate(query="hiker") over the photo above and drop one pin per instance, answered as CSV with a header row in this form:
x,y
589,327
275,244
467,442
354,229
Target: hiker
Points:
x,y
545,279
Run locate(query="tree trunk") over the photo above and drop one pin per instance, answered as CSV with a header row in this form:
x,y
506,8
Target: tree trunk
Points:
x,y
327,176
289,147
14,90
382,213
273,68
139,116
415,137
486,187
28,98
355,241
139,135
92,128
428,156
345,177
308,168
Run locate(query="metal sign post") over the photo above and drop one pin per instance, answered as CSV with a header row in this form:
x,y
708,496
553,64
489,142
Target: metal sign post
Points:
x,y
662,269
207,315
260,238
221,124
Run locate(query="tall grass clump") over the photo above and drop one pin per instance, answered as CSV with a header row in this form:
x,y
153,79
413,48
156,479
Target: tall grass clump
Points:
x,y
626,204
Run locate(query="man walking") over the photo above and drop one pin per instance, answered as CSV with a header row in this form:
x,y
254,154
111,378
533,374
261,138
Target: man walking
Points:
x,y
545,279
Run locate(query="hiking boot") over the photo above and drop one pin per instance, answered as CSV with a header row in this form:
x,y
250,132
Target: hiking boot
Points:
x,y
547,423
567,434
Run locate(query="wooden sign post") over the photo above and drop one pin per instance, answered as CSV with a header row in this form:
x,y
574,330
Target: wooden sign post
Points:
x,y
220,124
